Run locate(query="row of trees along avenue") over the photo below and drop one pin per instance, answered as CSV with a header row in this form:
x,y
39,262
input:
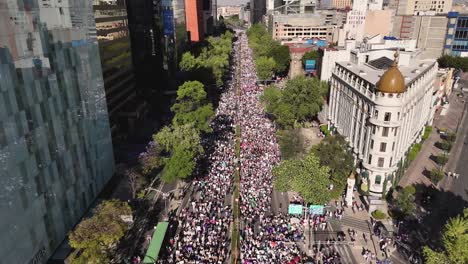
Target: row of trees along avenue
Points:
x,y
320,174
176,148
270,56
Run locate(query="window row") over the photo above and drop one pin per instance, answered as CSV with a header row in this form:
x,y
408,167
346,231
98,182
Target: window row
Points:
x,y
380,161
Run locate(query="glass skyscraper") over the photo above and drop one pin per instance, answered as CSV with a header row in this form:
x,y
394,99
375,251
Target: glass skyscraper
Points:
x,y
55,141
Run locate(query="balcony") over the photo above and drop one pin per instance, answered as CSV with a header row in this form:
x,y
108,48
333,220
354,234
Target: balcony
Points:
x,y
382,123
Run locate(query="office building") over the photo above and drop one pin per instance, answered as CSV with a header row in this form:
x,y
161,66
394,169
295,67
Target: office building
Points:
x,y
199,19
257,11
194,16
342,4
456,42
227,11
381,107
55,141
421,7
429,32
324,24
123,103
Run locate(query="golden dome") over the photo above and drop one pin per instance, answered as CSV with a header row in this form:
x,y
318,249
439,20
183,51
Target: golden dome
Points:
x,y
392,81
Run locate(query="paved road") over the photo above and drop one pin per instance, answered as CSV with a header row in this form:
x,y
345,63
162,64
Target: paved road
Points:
x,y
460,186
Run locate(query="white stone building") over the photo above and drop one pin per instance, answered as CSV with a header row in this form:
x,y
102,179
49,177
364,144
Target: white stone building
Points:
x,y
381,107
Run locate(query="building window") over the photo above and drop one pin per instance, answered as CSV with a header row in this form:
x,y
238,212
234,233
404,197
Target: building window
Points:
x,y
372,144
395,131
378,179
380,162
383,147
61,10
390,164
376,114
373,130
387,116
393,146
370,159
385,132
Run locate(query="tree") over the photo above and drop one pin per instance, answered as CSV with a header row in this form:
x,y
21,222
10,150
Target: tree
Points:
x,y
454,240
310,55
447,61
95,237
442,159
265,67
189,62
191,106
306,95
304,176
291,143
150,159
333,153
182,144
281,55
300,100
405,201
436,175
135,180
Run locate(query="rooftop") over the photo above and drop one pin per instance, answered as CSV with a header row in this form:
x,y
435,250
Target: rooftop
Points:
x,y
372,74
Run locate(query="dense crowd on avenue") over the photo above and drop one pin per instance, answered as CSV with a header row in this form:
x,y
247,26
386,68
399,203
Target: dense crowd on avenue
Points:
x,y
203,234
204,224
265,238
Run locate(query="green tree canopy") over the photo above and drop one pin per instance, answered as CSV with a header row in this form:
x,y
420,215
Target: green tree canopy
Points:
x,y
191,106
291,143
454,240
300,100
213,58
281,55
304,176
265,67
95,237
447,61
183,145
405,201
265,48
333,153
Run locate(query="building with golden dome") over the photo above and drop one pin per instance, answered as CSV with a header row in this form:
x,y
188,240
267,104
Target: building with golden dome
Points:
x,y
381,104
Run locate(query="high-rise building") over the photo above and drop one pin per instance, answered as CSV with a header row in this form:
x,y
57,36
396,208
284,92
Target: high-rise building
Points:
x,y
116,59
146,38
257,11
428,31
381,107
55,141
456,43
194,16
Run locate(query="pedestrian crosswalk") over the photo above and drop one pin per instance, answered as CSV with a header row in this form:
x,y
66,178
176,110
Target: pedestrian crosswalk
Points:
x,y
353,223
345,253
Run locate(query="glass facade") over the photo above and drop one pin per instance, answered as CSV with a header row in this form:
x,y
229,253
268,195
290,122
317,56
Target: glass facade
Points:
x,y
55,142
456,42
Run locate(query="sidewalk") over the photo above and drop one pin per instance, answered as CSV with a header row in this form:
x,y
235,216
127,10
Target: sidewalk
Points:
x,y
414,173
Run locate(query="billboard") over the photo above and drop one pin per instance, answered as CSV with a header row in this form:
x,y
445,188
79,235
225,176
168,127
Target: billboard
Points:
x,y
295,209
168,22
316,209
310,65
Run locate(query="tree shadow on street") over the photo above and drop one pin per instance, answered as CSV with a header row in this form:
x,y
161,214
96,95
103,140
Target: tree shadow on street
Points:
x,y
439,206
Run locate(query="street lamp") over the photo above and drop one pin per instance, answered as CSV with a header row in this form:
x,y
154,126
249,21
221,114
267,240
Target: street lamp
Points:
x,y
165,195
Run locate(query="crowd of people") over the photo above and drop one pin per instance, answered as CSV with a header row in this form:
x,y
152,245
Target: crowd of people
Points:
x,y
204,224
265,238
